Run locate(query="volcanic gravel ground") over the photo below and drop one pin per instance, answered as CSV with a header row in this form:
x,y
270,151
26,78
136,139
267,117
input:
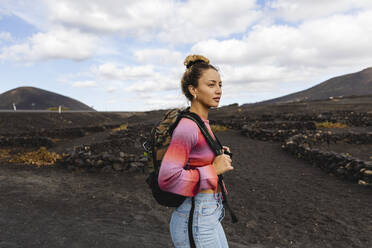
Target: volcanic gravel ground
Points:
x,y
280,202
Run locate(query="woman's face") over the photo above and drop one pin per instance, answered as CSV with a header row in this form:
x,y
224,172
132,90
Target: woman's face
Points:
x,y
209,88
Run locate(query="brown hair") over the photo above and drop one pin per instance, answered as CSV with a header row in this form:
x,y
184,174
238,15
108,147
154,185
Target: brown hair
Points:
x,y
195,65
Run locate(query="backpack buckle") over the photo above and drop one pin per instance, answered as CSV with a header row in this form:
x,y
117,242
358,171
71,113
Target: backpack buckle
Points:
x,y
146,145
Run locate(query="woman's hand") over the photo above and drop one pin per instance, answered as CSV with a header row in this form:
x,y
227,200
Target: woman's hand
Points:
x,y
222,163
225,148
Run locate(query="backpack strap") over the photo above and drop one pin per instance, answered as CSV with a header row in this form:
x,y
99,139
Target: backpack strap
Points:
x,y
191,217
216,146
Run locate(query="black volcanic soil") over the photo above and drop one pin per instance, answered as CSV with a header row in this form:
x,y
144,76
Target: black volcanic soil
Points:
x,y
26,122
280,201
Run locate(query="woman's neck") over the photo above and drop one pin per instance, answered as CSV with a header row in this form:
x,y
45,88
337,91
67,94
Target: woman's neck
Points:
x,y
200,110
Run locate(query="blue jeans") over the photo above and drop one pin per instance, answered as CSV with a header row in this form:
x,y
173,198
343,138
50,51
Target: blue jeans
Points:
x,y
206,227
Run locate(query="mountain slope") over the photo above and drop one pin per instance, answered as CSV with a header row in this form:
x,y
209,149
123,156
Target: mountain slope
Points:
x,y
27,98
358,83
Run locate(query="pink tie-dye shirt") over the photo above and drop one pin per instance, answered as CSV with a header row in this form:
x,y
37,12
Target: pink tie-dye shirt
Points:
x,y
188,145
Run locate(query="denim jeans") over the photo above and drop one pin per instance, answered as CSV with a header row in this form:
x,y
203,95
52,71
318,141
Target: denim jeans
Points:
x,y
207,228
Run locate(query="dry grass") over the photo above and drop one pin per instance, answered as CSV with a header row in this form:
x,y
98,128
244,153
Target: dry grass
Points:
x,y
39,157
327,124
218,128
55,140
122,127
4,153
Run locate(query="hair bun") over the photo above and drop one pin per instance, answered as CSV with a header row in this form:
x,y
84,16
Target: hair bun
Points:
x,y
193,59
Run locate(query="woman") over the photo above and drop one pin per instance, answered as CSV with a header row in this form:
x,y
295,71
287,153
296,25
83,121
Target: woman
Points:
x,y
201,84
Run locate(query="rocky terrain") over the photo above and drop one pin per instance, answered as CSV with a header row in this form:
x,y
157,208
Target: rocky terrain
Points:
x,y
300,177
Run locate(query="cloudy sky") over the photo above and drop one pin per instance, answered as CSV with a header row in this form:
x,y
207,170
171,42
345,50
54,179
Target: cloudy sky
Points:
x,y
127,55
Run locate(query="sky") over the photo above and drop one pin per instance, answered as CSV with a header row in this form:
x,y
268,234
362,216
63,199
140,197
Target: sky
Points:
x,y
127,55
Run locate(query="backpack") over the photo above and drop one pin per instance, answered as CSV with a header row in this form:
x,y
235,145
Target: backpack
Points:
x,y
155,147
157,144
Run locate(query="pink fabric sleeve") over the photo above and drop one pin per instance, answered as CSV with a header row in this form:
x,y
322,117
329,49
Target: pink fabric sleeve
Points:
x,y
172,177
208,177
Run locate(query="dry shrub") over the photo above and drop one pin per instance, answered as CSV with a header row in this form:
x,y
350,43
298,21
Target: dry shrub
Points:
x,y
218,128
55,140
4,153
122,127
39,157
327,124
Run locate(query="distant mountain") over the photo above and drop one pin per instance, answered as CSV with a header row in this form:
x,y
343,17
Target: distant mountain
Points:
x,y
354,84
26,98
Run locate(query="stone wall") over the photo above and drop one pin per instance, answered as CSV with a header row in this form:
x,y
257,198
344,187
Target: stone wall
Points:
x,y
350,118
84,158
276,131
340,165
122,151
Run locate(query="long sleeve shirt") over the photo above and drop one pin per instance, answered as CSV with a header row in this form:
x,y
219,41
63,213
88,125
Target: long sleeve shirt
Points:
x,y
188,146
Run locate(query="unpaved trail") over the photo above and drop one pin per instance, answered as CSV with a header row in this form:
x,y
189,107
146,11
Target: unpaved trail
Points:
x,y
280,202
286,202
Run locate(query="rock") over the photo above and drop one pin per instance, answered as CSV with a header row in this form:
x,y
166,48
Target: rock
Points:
x,y
107,168
99,162
143,159
79,162
136,166
341,171
361,182
111,158
117,167
368,164
105,156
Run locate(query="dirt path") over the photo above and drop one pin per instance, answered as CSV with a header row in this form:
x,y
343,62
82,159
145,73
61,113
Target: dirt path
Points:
x,y
286,202
281,202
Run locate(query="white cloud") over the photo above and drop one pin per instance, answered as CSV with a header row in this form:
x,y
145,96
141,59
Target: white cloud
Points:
x,y
161,100
129,17
136,78
284,53
5,36
294,10
84,84
168,21
111,89
56,44
113,71
33,12
194,21
158,56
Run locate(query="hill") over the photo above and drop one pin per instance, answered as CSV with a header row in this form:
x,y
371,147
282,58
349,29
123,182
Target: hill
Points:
x,y
31,98
353,84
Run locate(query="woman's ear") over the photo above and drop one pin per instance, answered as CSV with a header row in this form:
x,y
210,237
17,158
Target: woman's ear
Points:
x,y
192,90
